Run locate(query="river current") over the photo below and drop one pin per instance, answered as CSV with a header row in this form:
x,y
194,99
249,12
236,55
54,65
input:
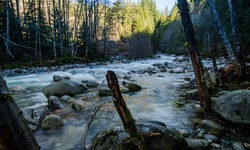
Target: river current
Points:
x,y
154,102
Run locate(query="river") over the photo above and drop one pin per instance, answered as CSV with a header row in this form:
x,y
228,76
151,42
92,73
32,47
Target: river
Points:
x,y
154,102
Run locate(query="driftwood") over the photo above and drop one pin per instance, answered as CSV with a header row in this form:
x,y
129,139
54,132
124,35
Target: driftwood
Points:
x,y
124,113
15,133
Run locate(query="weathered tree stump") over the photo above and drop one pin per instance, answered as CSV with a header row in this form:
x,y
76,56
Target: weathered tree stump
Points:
x,y
15,133
124,113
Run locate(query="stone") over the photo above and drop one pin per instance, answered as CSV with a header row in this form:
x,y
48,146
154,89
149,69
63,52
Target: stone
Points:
x,y
131,86
104,91
65,98
52,122
34,116
234,106
54,103
180,59
164,138
211,138
198,144
65,77
63,87
57,78
78,105
212,127
193,94
91,83
185,133
177,70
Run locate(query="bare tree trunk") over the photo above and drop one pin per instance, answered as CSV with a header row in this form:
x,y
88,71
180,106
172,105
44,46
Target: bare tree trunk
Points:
x,y
8,53
124,113
15,133
205,99
237,41
60,26
222,32
54,29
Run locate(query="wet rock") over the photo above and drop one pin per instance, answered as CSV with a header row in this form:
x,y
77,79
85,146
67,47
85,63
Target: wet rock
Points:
x,y
90,83
78,105
215,145
212,127
164,139
104,91
177,70
234,106
63,87
233,146
34,116
198,144
131,86
52,122
185,133
57,78
211,138
152,70
54,103
187,78
18,88
66,77
180,59
65,98
90,95
193,94
124,90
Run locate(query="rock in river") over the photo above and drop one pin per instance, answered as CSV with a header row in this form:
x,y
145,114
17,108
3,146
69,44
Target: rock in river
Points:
x,y
51,122
234,106
63,87
159,137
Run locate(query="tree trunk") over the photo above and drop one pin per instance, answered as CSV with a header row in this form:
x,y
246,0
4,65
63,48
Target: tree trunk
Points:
x,y
205,99
15,133
8,53
54,29
237,41
222,32
124,113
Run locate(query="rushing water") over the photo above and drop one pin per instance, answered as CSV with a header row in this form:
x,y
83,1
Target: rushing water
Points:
x,y
153,102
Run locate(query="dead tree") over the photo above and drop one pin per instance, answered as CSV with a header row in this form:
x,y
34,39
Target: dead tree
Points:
x,y
15,133
237,41
205,99
124,113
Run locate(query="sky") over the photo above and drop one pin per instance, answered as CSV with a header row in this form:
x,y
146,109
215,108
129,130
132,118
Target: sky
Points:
x,y
161,4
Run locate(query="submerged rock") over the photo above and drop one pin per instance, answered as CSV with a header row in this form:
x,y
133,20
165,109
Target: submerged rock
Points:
x,y
161,138
234,106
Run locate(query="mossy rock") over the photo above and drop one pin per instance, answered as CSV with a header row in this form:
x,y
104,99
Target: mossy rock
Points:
x,y
156,137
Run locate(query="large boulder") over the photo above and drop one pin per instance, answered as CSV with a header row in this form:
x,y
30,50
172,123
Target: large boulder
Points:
x,y
159,137
234,106
63,87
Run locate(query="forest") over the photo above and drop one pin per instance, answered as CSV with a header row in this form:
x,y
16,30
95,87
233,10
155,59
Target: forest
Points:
x,y
65,30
